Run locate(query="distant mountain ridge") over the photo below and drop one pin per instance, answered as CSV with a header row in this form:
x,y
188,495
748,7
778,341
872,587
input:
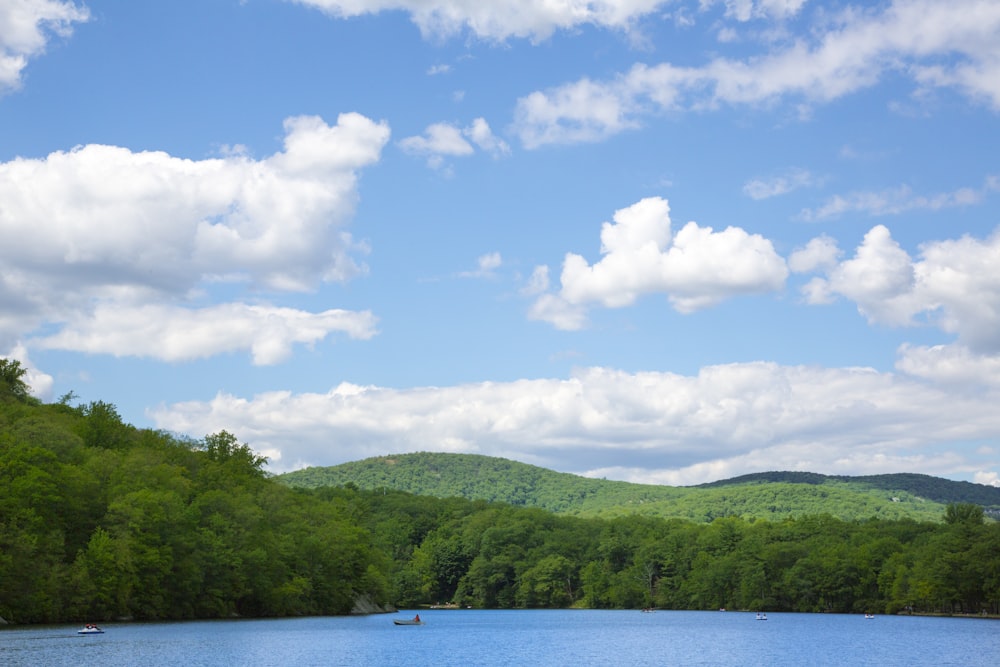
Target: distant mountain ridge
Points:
x,y
933,488
771,496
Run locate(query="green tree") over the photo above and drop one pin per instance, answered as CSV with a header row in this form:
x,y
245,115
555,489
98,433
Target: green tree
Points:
x,y
12,382
103,427
223,447
549,583
963,513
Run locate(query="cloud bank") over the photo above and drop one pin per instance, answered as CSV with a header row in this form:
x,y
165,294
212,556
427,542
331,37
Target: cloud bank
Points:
x,y
674,429
116,247
936,45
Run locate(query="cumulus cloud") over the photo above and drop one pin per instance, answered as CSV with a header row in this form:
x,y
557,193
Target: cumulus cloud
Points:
x,y
936,44
820,253
442,140
952,285
677,429
499,20
696,268
26,26
954,365
92,232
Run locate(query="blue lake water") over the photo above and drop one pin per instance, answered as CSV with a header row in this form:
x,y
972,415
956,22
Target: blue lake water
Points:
x,y
521,637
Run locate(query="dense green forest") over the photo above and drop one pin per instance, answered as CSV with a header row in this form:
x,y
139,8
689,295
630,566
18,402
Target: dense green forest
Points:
x,y
101,520
771,496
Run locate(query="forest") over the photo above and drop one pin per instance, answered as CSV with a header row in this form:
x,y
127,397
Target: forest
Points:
x,y
772,496
101,520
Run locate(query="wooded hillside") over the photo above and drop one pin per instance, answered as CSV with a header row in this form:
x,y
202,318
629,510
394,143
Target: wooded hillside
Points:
x,y
100,520
771,496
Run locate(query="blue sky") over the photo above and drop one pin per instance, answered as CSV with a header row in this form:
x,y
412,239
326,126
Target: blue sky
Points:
x,y
660,241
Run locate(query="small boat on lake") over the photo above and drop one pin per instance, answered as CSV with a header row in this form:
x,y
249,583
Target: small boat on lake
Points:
x,y
90,629
408,621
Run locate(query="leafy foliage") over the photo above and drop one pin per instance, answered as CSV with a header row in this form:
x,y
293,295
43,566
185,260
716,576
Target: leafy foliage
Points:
x,y
934,489
101,520
12,382
772,496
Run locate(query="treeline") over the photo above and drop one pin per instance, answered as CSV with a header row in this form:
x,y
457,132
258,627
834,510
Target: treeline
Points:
x,y
100,520
500,556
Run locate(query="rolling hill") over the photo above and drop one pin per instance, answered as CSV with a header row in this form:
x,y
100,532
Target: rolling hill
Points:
x,y
770,496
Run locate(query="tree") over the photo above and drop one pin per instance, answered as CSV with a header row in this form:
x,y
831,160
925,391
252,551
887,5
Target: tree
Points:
x,y
103,427
12,382
963,513
223,447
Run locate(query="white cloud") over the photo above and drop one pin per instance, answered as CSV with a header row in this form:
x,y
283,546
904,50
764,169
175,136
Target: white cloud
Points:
x,y
880,278
584,111
820,253
954,365
170,333
745,10
499,19
727,420
439,138
481,135
558,312
696,268
988,478
778,185
900,200
94,231
442,140
486,266
942,44
26,26
538,282
954,286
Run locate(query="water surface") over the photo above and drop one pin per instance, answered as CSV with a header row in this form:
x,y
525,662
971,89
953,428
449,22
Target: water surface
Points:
x,y
521,637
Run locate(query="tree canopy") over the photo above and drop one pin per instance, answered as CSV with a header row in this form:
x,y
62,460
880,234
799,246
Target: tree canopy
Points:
x,y
102,520
12,382
772,496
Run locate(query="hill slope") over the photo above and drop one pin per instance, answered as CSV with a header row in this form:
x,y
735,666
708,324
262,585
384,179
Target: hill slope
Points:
x,y
769,496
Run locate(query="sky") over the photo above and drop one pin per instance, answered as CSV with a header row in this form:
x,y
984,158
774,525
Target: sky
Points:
x,y
662,241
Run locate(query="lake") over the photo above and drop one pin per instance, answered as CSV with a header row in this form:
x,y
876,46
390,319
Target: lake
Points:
x,y
519,637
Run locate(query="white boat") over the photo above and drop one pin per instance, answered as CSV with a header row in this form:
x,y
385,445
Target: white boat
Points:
x,y
408,621
90,630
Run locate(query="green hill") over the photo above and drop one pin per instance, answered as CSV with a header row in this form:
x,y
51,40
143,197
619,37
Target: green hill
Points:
x,y
771,496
